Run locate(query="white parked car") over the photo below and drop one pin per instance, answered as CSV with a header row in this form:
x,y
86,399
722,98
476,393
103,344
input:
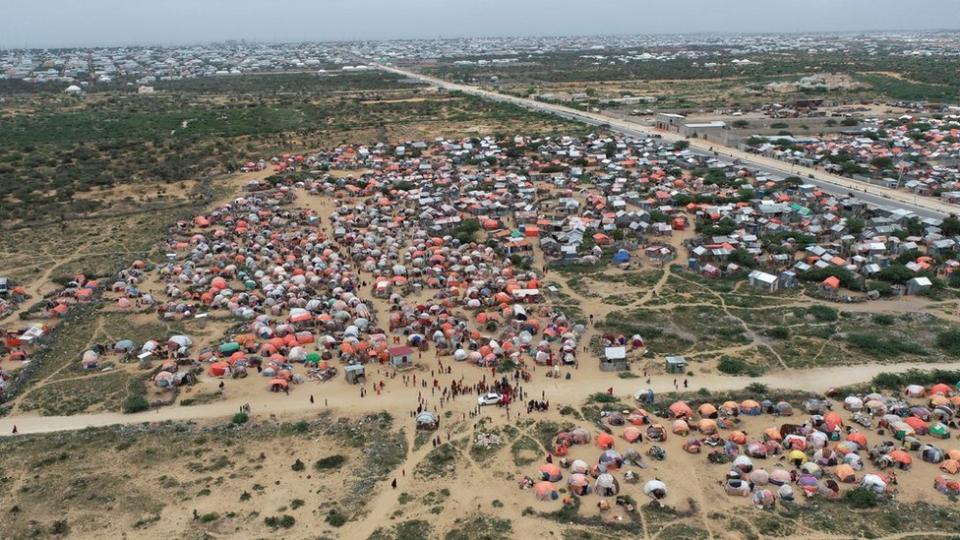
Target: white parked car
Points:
x,y
489,398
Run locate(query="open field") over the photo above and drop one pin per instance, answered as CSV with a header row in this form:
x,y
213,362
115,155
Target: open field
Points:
x,y
114,150
181,480
719,82
331,475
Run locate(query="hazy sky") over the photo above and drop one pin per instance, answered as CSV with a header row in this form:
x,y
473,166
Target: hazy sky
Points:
x,y
51,23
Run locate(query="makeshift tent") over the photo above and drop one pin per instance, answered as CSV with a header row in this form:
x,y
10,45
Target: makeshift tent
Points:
x,y
605,440
546,491
551,472
606,485
655,489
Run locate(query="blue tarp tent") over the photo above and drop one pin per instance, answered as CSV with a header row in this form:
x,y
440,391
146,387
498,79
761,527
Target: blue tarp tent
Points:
x,y
622,256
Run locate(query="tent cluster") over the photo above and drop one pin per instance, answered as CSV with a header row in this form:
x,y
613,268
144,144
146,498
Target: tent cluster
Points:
x,y
816,458
273,269
819,456
10,297
79,289
599,477
298,289
444,288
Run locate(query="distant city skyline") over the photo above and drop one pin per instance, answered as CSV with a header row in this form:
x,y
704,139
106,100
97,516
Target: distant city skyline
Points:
x,y
91,23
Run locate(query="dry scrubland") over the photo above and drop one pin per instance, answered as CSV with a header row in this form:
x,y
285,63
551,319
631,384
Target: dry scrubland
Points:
x,y
687,83
328,477
183,481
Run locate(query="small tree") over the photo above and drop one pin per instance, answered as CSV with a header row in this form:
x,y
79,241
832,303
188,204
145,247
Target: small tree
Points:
x,y
856,225
950,225
882,162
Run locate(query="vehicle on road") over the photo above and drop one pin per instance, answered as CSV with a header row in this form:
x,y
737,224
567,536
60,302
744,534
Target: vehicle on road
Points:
x,y
490,398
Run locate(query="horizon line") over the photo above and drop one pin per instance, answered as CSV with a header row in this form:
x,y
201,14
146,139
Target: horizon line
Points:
x,y
223,41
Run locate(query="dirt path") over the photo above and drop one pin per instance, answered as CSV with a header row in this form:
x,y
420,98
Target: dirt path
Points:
x,y
657,287
42,284
756,340
49,379
385,501
813,380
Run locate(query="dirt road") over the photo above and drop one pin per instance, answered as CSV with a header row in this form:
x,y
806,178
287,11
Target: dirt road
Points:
x,y
573,392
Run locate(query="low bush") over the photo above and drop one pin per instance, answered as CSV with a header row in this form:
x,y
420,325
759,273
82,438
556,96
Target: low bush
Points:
x,y
135,404
949,341
884,320
285,521
862,498
336,519
823,313
330,462
884,347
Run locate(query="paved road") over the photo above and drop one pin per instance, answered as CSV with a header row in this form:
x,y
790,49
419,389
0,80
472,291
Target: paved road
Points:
x,y
875,195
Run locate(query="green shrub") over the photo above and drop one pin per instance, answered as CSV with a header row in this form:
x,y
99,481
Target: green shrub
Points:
x,y
731,365
336,519
507,366
896,381
736,366
949,341
210,516
884,320
880,346
823,313
240,418
60,527
298,465
779,332
135,404
847,278
862,498
330,462
882,287
601,397
285,521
